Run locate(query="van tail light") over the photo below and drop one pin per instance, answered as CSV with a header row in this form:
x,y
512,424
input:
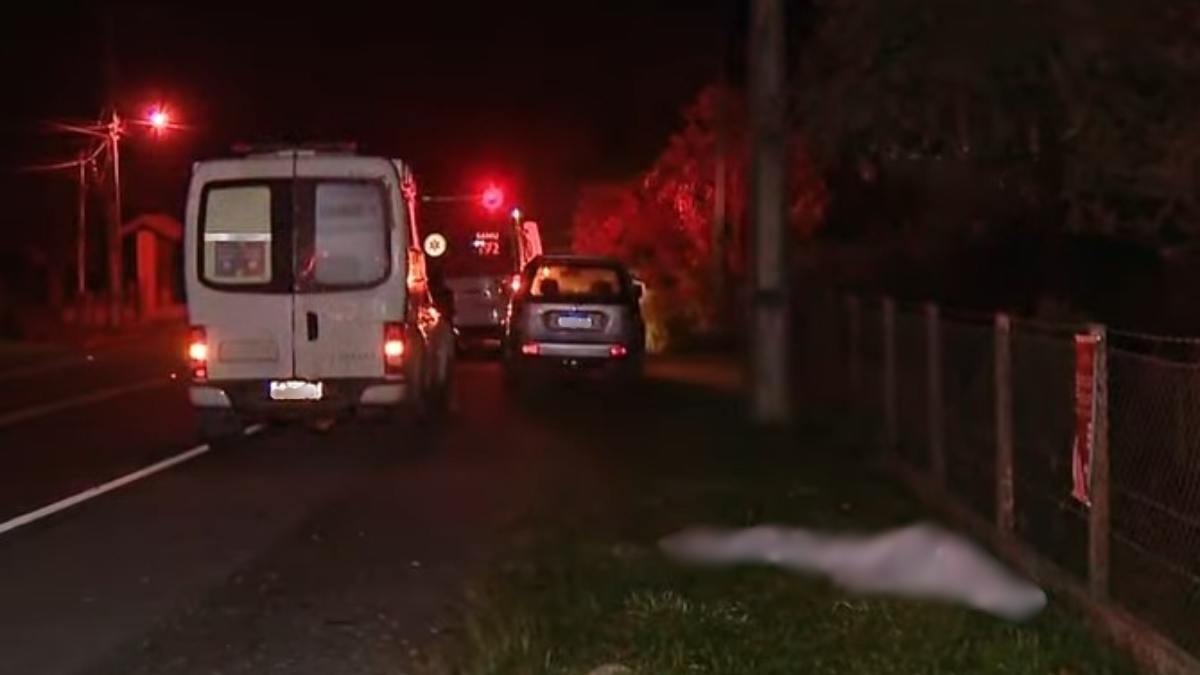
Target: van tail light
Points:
x,y
393,348
197,353
531,349
515,283
618,351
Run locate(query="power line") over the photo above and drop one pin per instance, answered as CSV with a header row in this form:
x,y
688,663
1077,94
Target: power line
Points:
x,y
59,166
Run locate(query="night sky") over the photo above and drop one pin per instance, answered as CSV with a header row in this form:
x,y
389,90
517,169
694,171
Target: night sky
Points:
x,y
546,96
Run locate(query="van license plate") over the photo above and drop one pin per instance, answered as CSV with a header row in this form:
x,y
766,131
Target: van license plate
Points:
x,y
296,390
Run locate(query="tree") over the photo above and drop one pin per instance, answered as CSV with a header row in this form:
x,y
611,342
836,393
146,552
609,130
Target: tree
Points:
x,y
661,222
1083,110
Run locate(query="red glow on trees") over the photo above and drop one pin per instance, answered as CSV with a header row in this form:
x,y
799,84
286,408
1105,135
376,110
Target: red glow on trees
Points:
x,y
660,221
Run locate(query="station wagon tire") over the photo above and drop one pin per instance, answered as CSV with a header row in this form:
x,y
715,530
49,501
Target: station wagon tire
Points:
x,y
219,427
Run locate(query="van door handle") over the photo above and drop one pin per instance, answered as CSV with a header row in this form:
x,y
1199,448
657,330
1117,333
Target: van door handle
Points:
x,y
312,326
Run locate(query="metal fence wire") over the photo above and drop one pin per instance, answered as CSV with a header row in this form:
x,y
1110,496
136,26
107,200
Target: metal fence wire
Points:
x,y
1154,431
1153,409
1043,391
912,388
969,387
822,338
869,401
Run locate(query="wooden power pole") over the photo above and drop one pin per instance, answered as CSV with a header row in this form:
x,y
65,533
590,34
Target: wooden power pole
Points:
x,y
769,367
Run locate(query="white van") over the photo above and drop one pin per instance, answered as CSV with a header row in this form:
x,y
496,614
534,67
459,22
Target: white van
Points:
x,y
306,291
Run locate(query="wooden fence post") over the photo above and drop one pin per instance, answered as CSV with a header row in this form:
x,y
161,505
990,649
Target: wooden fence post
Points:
x,y
891,429
1004,425
935,401
1098,520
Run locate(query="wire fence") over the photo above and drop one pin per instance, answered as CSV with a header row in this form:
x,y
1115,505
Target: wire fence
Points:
x,y
911,421
969,388
1045,514
967,403
1154,412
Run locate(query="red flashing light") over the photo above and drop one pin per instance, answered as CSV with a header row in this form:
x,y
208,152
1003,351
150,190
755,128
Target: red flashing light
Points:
x,y
531,349
492,198
618,351
197,352
393,348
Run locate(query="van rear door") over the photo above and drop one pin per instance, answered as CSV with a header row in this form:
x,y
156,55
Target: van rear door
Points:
x,y
243,261
350,279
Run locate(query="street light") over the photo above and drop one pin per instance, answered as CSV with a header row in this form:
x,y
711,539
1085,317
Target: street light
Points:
x,y
159,120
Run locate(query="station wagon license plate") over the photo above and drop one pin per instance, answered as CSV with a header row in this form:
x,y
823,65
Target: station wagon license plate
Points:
x,y
574,321
296,390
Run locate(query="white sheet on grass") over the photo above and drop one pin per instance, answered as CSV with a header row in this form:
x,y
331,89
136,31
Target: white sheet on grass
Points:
x,y
920,561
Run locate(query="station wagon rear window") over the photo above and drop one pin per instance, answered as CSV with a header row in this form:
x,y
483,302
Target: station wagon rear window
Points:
x,y
572,281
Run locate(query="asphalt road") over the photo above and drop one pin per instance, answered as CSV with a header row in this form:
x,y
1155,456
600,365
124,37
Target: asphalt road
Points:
x,y
293,552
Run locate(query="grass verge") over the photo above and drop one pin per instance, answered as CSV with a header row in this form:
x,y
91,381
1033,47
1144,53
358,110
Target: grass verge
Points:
x,y
583,586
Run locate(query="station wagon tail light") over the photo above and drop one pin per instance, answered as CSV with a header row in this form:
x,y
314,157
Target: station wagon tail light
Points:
x,y
618,351
530,349
515,283
393,348
197,352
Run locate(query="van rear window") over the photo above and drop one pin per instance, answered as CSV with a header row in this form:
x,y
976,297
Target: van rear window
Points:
x,y
294,236
237,235
350,242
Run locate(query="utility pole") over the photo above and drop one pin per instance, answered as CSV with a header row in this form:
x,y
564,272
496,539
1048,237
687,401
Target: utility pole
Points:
x,y
116,263
81,229
770,372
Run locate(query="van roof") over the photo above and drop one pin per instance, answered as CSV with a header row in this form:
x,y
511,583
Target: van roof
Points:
x,y
280,163
289,149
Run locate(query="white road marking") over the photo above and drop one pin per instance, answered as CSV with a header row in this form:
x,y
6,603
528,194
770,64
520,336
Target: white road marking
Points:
x,y
11,418
96,491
